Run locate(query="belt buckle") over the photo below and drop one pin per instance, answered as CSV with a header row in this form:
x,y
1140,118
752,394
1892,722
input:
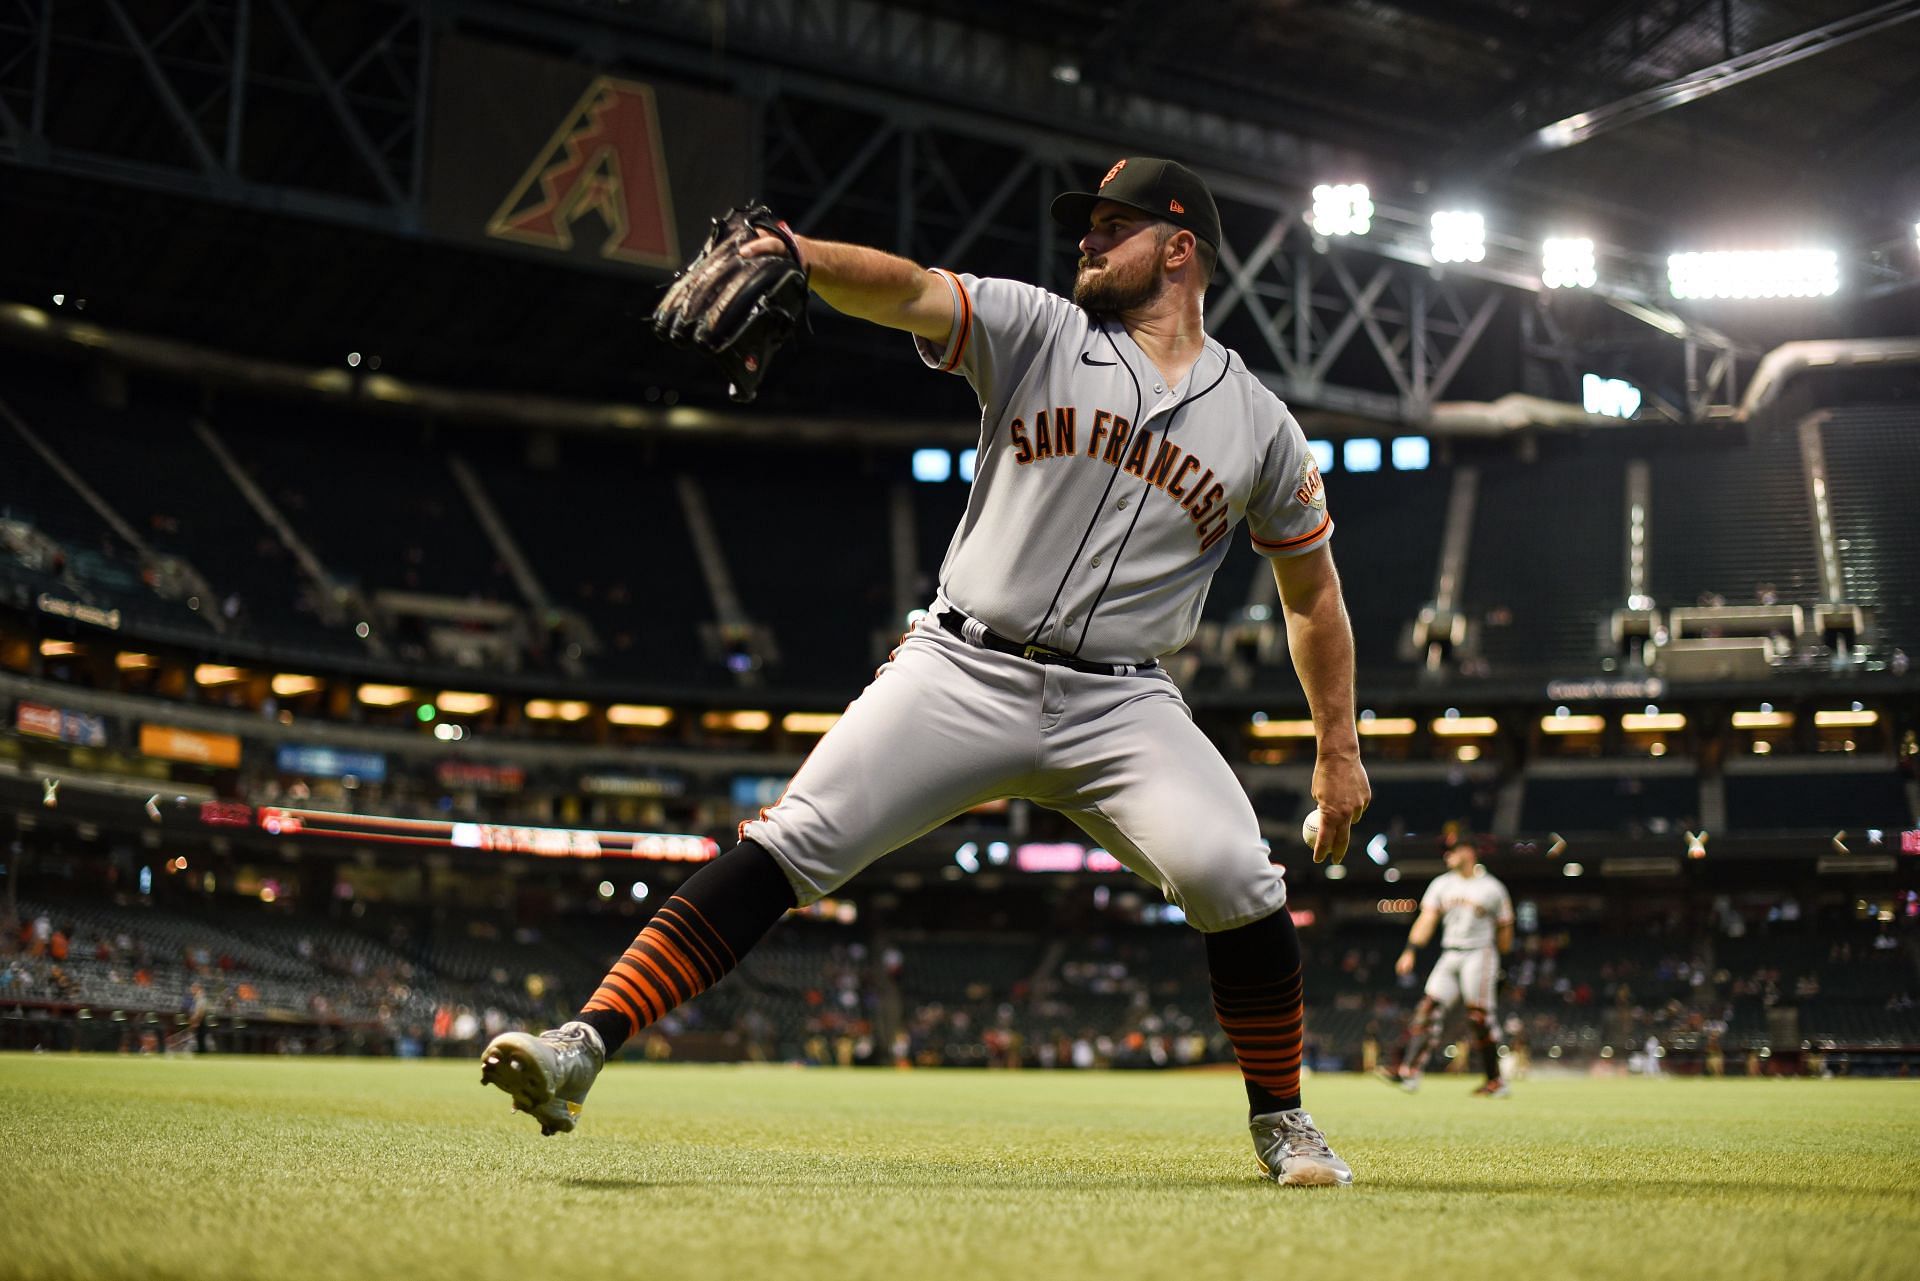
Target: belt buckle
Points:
x,y
1039,654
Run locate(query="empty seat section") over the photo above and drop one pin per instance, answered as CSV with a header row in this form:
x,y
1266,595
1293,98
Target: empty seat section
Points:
x,y
1546,566
1616,805
606,535
198,514
1817,802
1427,805
807,542
1727,519
1386,540
376,503
1873,475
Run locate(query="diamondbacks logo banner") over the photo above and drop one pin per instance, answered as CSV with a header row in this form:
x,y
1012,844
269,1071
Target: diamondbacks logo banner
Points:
x,y
540,156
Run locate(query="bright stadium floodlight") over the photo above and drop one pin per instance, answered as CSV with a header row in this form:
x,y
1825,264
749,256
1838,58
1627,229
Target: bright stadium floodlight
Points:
x,y
1783,273
1459,236
967,459
1568,264
1411,453
1612,397
1341,209
1362,454
1322,451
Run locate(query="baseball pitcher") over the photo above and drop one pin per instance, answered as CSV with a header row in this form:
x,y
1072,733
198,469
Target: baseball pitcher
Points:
x,y
1119,446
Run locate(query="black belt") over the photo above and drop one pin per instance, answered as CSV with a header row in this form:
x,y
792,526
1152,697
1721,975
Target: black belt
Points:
x,y
956,622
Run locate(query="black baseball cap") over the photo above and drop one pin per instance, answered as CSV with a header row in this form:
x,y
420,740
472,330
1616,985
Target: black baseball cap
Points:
x,y
1160,188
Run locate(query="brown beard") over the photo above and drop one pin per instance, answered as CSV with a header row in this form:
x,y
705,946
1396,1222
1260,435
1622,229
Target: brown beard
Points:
x,y
1117,289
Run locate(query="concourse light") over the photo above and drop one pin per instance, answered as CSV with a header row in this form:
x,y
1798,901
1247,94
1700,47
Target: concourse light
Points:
x,y
1855,719
1783,273
216,674
1459,236
741,722
1652,722
131,662
642,714
809,722
288,685
1564,722
1341,209
465,704
1568,264
1388,727
1765,718
385,695
1465,726
57,649
1281,729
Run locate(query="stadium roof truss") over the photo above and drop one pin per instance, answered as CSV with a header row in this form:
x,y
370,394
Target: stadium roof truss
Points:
x,y
943,141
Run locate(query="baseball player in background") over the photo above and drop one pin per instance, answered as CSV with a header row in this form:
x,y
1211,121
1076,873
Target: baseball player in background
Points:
x,y
1475,916
1119,445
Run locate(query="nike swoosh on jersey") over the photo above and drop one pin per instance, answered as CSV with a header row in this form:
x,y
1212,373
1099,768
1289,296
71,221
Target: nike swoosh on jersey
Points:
x,y
1086,358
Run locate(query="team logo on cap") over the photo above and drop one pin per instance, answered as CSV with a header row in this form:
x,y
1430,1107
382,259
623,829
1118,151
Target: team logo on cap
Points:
x,y
1113,172
1174,206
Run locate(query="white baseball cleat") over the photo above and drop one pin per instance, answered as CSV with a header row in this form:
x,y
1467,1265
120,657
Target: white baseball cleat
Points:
x,y
1493,1090
1292,1152
547,1076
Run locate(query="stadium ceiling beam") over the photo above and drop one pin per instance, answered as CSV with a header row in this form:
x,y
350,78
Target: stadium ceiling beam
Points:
x,y
193,53
1582,126
363,146
911,52
162,86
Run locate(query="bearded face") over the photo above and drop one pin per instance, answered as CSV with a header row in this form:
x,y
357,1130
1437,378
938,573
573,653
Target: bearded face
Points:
x,y
1118,281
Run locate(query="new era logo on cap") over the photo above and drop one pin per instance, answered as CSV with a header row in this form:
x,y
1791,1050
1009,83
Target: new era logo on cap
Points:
x,y
1174,206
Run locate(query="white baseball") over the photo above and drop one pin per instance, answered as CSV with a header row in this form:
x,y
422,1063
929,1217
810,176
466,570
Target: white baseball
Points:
x,y
1310,827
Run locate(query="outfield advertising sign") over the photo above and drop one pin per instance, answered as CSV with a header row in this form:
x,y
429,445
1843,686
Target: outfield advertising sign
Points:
x,y
42,721
327,762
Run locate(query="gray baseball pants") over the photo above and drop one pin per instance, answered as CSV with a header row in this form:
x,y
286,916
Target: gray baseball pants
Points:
x,y
946,726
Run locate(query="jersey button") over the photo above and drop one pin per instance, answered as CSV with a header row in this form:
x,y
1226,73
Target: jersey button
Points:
x,y
1123,504
1071,620
1096,562
1158,387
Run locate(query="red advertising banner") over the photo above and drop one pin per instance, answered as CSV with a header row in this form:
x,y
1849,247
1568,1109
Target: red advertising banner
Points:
x,y
37,719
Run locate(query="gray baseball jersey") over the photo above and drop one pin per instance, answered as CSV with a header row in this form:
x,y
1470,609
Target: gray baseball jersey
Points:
x,y
1102,497
1470,907
1100,506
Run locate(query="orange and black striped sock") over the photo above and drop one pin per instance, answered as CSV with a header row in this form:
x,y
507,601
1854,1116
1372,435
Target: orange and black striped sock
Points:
x,y
692,942
1257,992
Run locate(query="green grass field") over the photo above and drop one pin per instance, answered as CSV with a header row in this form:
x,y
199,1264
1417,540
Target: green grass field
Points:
x,y
121,1167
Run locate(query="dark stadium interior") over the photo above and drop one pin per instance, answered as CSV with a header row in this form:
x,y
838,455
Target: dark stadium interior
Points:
x,y
317,508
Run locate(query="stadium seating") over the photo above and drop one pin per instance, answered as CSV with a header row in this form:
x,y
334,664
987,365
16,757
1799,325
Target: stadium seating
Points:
x,y
1728,518
1386,540
1626,805
1873,476
1546,566
1822,802
374,500
606,535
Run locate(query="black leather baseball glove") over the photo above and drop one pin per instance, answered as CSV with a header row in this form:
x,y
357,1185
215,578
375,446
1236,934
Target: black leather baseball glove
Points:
x,y
737,310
